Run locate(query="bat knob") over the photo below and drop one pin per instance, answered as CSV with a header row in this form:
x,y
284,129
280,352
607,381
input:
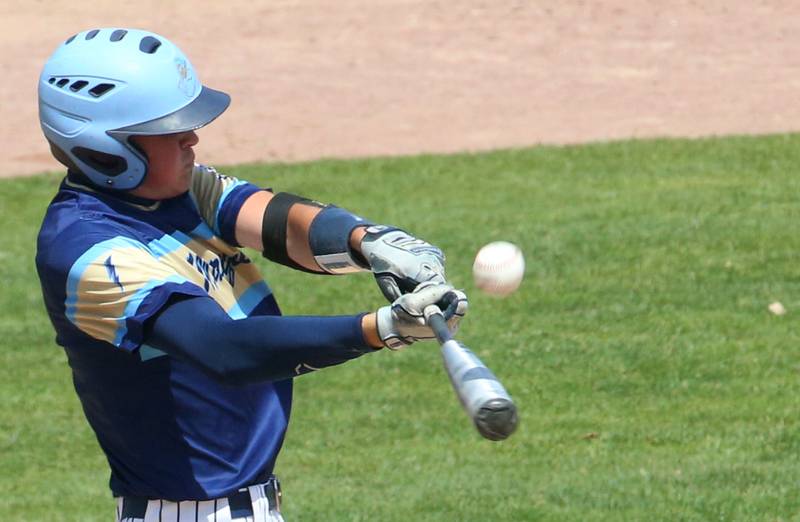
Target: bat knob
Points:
x,y
497,419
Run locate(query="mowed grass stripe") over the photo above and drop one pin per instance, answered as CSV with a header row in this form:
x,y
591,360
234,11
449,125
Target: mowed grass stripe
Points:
x,y
651,379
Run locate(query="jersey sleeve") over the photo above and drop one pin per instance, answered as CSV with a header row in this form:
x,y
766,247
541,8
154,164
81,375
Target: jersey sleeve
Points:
x,y
218,199
113,284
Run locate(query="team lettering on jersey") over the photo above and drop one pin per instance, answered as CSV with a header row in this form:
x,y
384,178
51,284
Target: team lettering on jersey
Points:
x,y
219,268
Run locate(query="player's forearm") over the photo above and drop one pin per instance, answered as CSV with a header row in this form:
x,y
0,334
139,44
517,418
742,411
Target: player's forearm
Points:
x,y
356,236
263,348
302,233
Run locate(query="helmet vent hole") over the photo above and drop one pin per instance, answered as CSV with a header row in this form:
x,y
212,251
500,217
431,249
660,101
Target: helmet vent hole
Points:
x,y
100,89
77,86
91,34
70,39
118,35
62,82
149,45
51,80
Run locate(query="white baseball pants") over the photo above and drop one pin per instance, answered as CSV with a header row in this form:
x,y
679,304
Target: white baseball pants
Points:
x,y
250,504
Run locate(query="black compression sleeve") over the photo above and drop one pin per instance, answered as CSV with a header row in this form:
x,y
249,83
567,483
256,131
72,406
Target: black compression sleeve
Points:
x,y
262,348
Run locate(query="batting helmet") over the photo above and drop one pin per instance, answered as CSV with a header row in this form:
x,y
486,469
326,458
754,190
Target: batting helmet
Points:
x,y
104,85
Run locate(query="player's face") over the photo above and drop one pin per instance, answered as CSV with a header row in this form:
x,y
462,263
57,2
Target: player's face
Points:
x,y
171,160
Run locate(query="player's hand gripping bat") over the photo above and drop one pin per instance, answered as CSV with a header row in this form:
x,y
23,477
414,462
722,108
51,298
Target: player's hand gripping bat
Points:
x,y
485,400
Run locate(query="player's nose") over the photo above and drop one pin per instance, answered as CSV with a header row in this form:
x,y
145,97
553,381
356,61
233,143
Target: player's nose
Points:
x,y
190,139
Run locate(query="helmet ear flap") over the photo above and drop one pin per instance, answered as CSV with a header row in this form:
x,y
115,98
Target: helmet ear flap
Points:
x,y
109,165
62,157
114,163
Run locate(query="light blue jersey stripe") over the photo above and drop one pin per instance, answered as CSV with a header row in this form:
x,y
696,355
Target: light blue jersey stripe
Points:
x,y
225,194
164,245
202,231
249,300
147,352
168,244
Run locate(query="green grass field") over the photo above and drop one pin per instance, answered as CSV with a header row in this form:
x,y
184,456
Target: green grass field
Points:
x,y
652,382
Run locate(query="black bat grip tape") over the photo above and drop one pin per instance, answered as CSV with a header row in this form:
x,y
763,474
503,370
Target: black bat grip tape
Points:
x,y
439,326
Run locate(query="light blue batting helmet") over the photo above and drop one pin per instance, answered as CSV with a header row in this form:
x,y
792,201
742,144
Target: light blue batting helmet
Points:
x,y
104,85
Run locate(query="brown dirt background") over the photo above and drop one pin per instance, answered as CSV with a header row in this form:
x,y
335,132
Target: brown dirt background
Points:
x,y
313,79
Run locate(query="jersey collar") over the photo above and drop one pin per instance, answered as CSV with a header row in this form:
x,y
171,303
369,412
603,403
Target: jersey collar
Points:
x,y
76,180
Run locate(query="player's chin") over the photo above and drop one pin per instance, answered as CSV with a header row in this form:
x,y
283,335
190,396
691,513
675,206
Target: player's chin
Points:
x,y
182,182
186,175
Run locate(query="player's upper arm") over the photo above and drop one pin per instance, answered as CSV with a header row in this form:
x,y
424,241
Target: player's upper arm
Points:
x,y
250,219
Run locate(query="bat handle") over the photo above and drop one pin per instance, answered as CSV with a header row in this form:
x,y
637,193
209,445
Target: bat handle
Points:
x,y
435,319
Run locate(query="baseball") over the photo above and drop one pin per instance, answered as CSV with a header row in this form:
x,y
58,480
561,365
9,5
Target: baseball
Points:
x,y
498,268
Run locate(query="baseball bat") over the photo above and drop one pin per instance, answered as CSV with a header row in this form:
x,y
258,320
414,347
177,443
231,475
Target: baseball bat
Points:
x,y
485,400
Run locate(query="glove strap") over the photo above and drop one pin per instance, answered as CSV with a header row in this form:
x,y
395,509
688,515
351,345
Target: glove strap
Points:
x,y
390,338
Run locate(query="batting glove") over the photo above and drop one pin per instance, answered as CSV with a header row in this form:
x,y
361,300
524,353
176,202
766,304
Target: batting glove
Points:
x,y
403,322
400,261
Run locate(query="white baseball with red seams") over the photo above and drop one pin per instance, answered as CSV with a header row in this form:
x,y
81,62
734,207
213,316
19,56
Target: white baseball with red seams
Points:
x,y
498,268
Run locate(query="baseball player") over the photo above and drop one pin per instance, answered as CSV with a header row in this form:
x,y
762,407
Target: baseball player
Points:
x,y
179,354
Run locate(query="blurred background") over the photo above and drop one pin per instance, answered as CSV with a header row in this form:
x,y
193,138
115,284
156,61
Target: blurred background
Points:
x,y
313,79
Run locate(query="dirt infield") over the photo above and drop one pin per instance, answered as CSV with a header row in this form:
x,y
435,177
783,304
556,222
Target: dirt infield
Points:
x,y
314,79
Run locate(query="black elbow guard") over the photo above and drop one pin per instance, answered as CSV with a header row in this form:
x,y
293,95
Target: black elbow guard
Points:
x,y
273,229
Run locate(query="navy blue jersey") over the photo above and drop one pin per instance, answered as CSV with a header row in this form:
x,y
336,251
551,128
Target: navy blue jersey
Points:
x,y
107,264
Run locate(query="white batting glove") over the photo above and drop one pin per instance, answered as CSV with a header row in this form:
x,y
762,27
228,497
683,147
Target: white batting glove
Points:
x,y
400,261
403,322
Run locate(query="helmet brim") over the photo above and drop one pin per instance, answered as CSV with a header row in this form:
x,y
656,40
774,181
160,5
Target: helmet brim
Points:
x,y
199,112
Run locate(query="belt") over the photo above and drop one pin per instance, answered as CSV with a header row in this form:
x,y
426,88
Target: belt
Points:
x,y
239,502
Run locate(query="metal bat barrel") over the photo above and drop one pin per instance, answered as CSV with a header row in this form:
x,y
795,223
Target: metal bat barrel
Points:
x,y
484,398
